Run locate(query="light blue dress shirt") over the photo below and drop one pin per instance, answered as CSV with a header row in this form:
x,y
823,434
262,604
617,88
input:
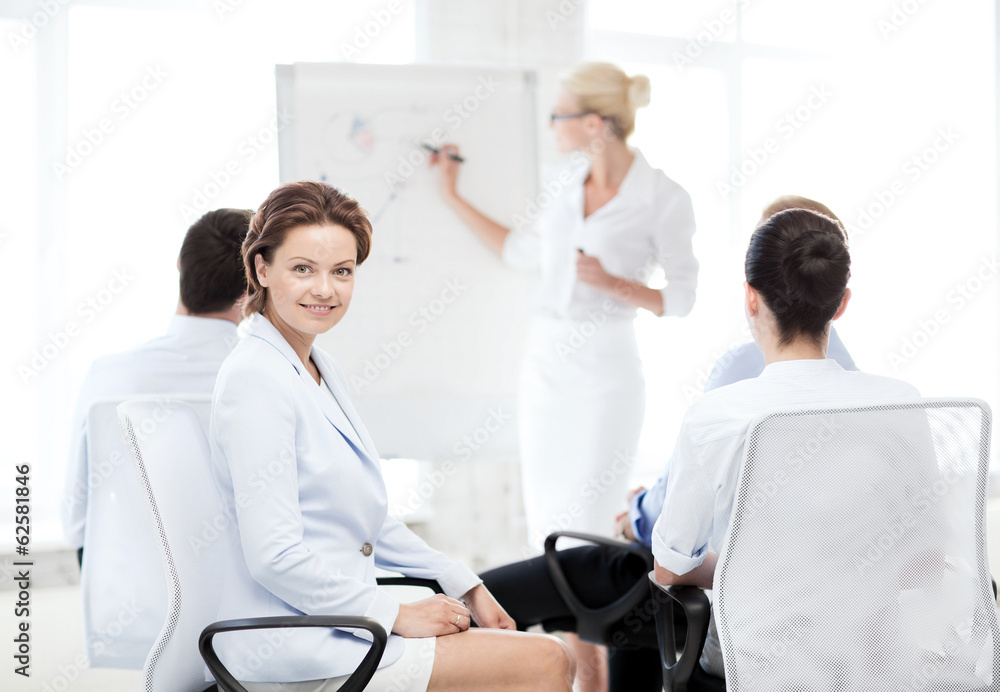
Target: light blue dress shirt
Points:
x,y
182,362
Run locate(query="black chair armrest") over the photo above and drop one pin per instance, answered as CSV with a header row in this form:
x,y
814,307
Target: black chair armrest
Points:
x,y
355,683
593,623
431,584
677,672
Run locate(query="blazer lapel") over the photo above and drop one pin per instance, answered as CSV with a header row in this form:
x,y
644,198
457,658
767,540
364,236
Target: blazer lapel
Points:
x,y
261,328
344,417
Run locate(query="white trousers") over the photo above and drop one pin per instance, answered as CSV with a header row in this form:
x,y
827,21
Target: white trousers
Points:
x,y
581,403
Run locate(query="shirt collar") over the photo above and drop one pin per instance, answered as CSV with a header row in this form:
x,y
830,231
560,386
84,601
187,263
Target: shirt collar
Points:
x,y
802,365
184,325
638,183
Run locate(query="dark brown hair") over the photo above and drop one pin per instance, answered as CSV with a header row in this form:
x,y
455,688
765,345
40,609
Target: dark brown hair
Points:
x,y
785,202
211,267
305,203
799,263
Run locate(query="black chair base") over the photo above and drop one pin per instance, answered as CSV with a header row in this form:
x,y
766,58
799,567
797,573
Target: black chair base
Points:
x,y
703,682
597,624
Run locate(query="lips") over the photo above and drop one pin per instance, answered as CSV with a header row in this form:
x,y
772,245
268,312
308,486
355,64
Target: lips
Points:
x,y
318,309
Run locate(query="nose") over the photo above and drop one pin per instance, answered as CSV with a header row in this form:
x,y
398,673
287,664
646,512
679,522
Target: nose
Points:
x,y
323,285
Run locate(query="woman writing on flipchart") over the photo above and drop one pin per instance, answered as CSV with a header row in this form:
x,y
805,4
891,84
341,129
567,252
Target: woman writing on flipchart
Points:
x,y
296,465
614,220
582,393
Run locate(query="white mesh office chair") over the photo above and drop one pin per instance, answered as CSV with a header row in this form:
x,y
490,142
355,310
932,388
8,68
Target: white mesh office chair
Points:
x,y
856,554
195,537
122,587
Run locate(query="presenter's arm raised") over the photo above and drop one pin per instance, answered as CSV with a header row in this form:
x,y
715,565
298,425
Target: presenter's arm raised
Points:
x,y
488,230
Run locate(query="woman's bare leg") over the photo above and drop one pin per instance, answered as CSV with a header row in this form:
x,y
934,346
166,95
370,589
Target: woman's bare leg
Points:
x,y
591,664
503,661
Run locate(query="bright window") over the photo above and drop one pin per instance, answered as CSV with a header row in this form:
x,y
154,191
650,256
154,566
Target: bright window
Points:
x,y
844,103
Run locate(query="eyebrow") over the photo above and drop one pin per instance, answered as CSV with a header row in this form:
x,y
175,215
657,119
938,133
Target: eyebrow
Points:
x,y
306,259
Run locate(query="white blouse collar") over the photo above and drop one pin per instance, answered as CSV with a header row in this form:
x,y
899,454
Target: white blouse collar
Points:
x,y
637,186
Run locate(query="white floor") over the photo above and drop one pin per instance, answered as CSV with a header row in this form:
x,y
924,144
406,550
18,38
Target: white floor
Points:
x,y
57,661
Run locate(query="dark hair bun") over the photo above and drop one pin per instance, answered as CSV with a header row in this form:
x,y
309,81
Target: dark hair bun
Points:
x,y
799,262
815,267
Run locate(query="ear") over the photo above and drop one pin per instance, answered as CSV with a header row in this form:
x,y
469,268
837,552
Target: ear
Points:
x,y
595,124
752,299
843,304
260,267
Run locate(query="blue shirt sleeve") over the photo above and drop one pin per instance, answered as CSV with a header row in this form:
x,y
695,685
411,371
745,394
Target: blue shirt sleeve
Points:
x,y
645,509
738,363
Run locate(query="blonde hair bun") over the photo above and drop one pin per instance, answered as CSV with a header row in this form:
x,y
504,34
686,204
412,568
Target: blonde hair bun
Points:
x,y
605,89
638,91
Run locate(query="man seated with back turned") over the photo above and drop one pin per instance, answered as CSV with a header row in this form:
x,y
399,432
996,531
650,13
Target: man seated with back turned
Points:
x,y
184,361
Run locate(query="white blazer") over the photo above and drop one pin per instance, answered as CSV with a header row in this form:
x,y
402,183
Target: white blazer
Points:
x,y
311,509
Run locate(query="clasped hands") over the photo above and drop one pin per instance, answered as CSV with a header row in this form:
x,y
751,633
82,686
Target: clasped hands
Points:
x,y
440,615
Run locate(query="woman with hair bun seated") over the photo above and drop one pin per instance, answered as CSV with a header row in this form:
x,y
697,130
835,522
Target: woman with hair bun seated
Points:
x,y
797,268
296,466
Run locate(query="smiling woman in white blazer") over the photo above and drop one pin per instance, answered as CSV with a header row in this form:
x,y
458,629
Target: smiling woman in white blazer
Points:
x,y
299,470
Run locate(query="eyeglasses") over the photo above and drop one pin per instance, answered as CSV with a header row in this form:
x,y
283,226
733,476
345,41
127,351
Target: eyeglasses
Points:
x,y
569,116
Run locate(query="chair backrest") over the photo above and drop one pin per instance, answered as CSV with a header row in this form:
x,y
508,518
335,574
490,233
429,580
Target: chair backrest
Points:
x,y
856,553
122,587
171,454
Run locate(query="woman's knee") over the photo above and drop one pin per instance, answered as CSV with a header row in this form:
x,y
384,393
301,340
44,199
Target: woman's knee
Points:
x,y
556,660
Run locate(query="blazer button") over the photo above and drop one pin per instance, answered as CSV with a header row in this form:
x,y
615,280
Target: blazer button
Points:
x,y
367,549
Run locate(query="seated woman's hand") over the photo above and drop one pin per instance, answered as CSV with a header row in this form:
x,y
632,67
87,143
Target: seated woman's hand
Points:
x,y
623,526
487,611
431,617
